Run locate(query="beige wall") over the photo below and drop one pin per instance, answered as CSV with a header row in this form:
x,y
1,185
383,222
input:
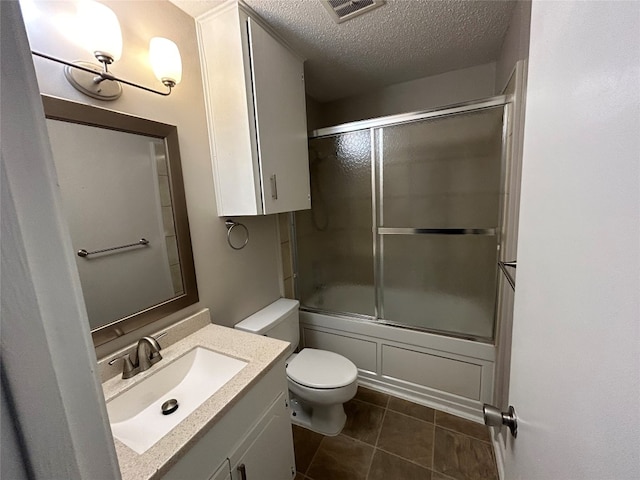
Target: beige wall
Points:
x,y
422,94
232,284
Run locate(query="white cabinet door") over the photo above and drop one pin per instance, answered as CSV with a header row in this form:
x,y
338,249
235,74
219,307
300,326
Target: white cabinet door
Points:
x,y
267,452
281,124
223,473
256,111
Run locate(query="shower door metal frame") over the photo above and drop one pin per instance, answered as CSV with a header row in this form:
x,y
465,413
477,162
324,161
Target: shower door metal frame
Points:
x,y
375,126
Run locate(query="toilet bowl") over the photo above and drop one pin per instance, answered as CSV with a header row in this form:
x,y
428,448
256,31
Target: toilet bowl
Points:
x,y
319,382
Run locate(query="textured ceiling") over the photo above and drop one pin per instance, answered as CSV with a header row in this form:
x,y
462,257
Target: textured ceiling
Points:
x,y
400,41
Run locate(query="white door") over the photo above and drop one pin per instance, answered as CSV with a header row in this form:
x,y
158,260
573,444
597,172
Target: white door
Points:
x,y
575,372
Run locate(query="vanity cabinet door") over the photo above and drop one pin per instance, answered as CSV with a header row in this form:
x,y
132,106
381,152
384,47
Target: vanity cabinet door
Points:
x,y
266,453
223,473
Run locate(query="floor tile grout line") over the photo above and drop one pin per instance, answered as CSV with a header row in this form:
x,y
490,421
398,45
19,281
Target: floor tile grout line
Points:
x,y
433,445
375,446
384,415
411,416
419,405
314,457
447,477
462,433
371,403
403,458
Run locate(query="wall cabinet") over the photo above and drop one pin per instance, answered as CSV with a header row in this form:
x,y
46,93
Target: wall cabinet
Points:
x,y
253,441
255,100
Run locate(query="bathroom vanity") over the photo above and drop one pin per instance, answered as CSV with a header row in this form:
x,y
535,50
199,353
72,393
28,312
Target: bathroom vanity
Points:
x,y
241,432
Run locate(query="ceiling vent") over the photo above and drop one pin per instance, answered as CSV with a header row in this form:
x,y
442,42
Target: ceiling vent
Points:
x,y
343,10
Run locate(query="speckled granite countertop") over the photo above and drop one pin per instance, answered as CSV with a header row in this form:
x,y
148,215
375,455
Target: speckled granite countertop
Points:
x,y
260,353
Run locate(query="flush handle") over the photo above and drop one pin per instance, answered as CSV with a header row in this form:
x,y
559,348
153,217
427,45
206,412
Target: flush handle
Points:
x,y
493,417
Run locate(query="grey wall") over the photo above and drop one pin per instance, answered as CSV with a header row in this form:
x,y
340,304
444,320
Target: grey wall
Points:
x,y
515,45
233,284
422,94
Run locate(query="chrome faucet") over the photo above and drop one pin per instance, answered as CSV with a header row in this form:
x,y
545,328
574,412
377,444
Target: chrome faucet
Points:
x,y
145,354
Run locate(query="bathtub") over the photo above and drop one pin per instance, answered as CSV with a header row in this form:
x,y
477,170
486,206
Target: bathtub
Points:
x,y
448,373
447,314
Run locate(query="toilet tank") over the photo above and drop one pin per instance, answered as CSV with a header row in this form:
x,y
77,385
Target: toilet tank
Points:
x,y
278,320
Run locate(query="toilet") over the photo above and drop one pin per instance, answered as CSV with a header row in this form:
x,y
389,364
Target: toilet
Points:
x,y
319,381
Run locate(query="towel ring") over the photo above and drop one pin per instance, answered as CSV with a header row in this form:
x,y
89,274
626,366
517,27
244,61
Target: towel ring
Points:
x,y
230,226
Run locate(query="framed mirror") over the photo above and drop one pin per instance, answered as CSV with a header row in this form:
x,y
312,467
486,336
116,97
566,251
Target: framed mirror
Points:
x,y
123,196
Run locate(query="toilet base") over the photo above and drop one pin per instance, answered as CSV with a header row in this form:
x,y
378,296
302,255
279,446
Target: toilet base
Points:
x,y
327,420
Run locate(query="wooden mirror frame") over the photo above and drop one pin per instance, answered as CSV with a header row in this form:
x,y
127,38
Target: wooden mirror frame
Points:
x,y
68,111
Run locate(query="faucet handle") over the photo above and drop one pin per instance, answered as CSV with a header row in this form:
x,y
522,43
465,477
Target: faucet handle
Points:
x,y
128,370
155,352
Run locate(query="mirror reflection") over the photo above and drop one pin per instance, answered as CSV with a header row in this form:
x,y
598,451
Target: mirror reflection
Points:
x,y
118,196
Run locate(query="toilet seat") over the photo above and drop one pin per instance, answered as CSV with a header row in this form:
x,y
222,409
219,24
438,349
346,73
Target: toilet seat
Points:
x,y
321,369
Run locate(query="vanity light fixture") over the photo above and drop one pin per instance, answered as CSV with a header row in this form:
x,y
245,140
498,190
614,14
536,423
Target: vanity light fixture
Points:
x,y
103,38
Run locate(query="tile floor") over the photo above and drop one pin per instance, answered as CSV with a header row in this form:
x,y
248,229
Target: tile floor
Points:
x,y
387,438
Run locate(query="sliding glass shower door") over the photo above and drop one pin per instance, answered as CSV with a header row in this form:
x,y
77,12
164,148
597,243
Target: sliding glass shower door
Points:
x,y
439,211
334,241
405,221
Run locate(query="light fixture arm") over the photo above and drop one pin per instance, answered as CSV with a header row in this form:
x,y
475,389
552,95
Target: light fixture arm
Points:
x,y
106,75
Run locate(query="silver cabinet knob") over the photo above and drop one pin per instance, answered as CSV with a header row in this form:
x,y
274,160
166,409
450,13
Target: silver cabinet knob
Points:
x,y
493,417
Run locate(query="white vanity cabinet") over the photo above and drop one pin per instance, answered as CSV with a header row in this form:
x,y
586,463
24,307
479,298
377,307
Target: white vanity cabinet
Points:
x,y
255,435
255,100
261,454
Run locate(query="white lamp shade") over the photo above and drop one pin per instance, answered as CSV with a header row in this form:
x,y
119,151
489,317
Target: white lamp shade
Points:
x,y
101,29
165,60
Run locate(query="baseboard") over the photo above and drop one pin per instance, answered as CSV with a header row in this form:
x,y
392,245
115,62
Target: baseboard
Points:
x,y
499,451
432,398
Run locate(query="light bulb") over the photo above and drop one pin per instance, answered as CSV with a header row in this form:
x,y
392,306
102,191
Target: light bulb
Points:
x,y
165,60
101,30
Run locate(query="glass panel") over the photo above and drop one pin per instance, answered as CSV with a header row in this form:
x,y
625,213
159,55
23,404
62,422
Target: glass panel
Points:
x,y
334,238
443,172
441,282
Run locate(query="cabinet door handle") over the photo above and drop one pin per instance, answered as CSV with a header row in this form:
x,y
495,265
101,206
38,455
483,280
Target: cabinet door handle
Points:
x,y
242,470
274,187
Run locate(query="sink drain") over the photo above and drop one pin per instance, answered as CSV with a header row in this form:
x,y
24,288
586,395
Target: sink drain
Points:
x,y
169,406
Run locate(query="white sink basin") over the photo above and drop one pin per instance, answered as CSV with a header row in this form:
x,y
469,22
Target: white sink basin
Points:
x,y
136,415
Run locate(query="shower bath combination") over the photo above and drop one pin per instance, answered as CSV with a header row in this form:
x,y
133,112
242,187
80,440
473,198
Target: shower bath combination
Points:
x,y
405,221
397,260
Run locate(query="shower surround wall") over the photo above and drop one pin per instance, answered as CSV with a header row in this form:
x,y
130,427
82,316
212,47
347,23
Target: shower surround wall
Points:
x,y
404,230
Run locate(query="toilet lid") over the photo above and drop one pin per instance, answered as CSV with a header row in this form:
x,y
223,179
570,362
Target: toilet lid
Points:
x,y
321,369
